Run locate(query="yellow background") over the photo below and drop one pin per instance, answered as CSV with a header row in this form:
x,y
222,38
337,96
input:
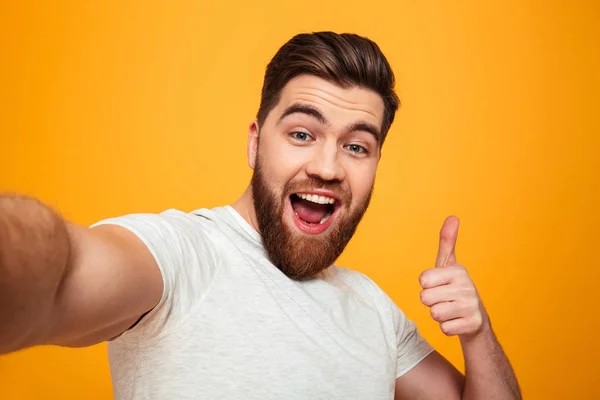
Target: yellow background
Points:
x,y
112,107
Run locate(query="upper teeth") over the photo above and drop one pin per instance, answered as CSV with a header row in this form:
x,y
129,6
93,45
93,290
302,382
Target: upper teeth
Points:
x,y
317,199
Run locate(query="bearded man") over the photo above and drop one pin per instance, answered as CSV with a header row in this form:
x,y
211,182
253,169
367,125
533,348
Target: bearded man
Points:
x,y
244,300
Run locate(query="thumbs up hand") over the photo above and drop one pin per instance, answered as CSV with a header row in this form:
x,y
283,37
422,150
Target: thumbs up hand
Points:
x,y
449,292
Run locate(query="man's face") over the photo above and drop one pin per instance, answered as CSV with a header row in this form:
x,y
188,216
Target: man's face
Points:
x,y
314,169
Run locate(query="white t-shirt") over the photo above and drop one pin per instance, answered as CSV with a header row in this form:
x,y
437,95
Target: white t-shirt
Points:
x,y
231,326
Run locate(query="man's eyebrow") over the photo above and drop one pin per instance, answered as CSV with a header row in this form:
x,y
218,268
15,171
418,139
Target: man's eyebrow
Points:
x,y
366,127
298,108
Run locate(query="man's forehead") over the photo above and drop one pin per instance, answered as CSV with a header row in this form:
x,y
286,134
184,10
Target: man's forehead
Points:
x,y
330,97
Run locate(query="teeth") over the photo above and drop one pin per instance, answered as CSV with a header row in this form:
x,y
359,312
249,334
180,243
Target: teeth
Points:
x,y
325,218
316,198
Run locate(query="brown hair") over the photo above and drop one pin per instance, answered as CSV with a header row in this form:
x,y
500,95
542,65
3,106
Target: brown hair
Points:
x,y
345,59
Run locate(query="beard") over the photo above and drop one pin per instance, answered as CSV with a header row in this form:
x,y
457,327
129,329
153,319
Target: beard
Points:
x,y
302,256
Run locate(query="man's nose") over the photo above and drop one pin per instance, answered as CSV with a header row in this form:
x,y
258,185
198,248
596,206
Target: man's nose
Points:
x,y
325,163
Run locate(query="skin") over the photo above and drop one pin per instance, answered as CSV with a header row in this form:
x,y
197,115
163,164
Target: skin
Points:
x,y
66,284
313,141
330,152
83,286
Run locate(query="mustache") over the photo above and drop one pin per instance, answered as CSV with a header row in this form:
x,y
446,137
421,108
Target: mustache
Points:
x,y
315,183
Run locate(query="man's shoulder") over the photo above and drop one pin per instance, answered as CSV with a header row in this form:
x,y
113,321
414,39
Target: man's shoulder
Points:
x,y
175,217
170,225
355,279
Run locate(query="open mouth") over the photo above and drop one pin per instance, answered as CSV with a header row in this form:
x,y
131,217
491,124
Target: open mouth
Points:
x,y
313,213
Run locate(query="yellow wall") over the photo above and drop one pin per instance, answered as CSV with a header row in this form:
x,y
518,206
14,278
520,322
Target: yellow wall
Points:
x,y
111,107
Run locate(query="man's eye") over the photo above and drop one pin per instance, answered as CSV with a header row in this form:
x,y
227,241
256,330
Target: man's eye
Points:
x,y
301,136
356,149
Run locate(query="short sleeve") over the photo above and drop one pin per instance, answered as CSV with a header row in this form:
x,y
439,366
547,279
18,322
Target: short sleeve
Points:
x,y
411,346
181,245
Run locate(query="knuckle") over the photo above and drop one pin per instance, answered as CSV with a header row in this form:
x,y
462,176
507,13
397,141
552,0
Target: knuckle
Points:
x,y
472,324
467,287
477,321
424,278
448,240
472,304
446,329
458,269
461,272
435,314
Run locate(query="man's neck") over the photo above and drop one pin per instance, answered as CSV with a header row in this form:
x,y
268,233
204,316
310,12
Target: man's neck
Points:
x,y
245,207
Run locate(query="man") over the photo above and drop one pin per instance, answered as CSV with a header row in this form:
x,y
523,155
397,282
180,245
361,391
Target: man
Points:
x,y
244,301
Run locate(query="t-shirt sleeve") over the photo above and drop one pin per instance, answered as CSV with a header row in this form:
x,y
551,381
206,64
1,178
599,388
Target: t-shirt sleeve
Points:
x,y
181,245
412,348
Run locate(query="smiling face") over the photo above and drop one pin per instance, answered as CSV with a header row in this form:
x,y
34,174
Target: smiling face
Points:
x,y
314,169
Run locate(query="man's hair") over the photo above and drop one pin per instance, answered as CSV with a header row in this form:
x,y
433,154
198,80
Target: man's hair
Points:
x,y
345,59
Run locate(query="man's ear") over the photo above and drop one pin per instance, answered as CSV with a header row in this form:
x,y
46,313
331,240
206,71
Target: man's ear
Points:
x,y
252,143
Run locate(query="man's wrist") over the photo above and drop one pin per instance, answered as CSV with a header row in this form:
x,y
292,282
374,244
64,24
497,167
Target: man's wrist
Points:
x,y
483,337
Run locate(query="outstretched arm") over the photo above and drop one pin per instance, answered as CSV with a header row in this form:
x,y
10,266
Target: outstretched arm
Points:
x,y
455,303
65,284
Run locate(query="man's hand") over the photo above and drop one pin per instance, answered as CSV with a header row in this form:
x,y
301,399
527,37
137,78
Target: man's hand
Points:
x,y
449,291
455,304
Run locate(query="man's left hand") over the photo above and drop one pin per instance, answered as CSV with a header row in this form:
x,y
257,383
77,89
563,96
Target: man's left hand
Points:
x,y
449,291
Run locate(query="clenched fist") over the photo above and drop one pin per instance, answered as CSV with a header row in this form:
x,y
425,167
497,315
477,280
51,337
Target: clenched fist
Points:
x,y
449,291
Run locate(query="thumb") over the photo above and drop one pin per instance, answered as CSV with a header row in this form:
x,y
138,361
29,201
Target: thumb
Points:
x,y
448,235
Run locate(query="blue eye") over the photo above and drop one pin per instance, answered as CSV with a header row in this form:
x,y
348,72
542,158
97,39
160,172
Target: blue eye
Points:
x,y
301,136
356,149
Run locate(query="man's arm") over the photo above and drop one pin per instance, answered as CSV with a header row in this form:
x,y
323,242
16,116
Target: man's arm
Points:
x,y
65,284
455,304
488,375
433,378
